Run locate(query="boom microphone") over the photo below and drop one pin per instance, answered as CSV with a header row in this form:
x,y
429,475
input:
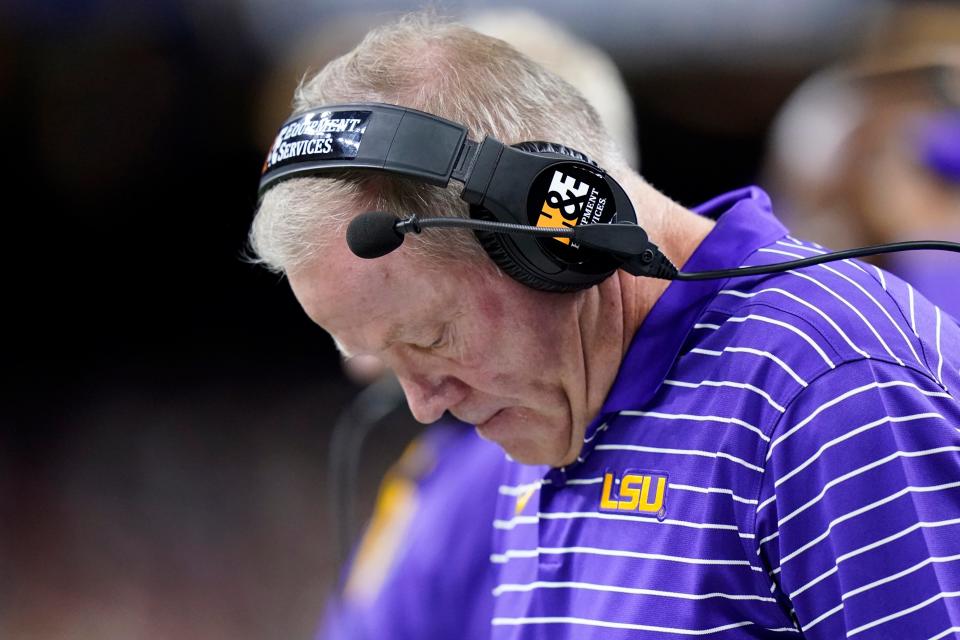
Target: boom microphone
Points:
x,y
377,233
373,234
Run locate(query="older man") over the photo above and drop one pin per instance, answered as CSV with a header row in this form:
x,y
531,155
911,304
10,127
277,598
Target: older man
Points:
x,y
754,457
422,525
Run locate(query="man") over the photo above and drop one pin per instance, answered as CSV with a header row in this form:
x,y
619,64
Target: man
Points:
x,y
399,583
761,457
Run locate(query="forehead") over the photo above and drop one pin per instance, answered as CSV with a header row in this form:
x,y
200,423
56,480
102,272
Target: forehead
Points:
x,y
367,303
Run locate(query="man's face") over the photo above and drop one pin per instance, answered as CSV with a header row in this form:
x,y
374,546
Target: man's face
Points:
x,y
461,338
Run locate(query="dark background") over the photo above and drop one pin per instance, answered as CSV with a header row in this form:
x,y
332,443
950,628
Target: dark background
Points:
x,y
167,407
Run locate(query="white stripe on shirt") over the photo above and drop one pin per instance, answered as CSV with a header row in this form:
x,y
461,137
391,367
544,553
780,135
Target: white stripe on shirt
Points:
x,y
849,305
856,472
945,633
789,327
878,305
616,625
883,281
686,487
899,574
696,418
845,396
874,545
903,612
682,452
939,350
705,325
600,515
589,586
518,489
510,554
729,383
757,352
864,509
850,434
795,298
913,314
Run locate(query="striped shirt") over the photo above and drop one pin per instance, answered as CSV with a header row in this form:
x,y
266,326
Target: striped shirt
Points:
x,y
778,457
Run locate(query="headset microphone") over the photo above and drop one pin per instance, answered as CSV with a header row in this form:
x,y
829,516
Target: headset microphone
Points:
x,y
376,233
373,234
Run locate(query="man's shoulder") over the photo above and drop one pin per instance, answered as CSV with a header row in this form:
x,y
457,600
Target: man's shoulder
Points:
x,y
817,318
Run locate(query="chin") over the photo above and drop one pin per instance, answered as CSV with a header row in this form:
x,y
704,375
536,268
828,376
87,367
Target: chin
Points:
x,y
529,439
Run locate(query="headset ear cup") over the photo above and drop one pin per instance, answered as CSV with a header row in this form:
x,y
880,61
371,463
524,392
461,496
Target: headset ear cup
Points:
x,y
539,146
493,244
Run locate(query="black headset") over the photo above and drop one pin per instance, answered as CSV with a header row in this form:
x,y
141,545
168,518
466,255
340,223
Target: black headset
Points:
x,y
537,184
546,214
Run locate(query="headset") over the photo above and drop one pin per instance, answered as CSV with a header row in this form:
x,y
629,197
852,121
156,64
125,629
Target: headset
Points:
x,y
546,214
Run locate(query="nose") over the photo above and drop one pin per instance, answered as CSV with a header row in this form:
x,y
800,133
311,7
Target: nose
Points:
x,y
428,399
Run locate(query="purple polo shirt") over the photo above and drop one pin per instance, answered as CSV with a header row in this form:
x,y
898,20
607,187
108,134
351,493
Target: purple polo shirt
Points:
x,y
778,457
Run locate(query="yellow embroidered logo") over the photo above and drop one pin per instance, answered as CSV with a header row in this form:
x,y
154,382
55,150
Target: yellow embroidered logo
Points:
x,y
639,492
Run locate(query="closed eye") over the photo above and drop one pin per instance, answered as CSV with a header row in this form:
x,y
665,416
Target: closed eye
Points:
x,y
441,339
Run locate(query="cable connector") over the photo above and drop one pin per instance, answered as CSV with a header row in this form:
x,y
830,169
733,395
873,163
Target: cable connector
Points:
x,y
651,263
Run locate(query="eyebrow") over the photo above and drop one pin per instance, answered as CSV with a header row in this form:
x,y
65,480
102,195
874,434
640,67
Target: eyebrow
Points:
x,y
392,335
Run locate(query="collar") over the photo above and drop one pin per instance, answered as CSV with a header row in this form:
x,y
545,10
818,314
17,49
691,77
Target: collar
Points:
x,y
745,223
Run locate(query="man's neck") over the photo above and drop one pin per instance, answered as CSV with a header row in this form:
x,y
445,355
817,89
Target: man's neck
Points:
x,y
611,313
676,231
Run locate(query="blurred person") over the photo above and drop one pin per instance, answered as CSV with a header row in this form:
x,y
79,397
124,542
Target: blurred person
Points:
x,y
434,510
869,151
578,62
398,584
767,456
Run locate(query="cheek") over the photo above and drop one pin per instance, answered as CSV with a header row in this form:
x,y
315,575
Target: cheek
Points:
x,y
546,329
519,340
490,306
515,335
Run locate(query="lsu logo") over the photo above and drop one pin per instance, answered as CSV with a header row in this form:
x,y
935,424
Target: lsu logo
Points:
x,y
564,204
639,492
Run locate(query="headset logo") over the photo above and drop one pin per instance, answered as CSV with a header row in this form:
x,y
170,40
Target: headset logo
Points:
x,y
563,207
635,492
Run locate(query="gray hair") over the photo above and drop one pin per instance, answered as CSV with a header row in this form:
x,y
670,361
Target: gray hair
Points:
x,y
586,67
442,68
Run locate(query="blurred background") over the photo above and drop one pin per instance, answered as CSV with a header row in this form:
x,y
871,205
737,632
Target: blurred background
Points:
x,y
168,409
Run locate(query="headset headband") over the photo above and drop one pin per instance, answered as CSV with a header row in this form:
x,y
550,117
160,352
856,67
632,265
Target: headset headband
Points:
x,y
532,183
369,136
420,145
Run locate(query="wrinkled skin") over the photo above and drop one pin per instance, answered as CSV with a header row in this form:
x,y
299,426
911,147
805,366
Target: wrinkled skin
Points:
x,y
465,339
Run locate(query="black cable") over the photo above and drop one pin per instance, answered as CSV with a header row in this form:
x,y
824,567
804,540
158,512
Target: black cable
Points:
x,y
643,258
778,267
